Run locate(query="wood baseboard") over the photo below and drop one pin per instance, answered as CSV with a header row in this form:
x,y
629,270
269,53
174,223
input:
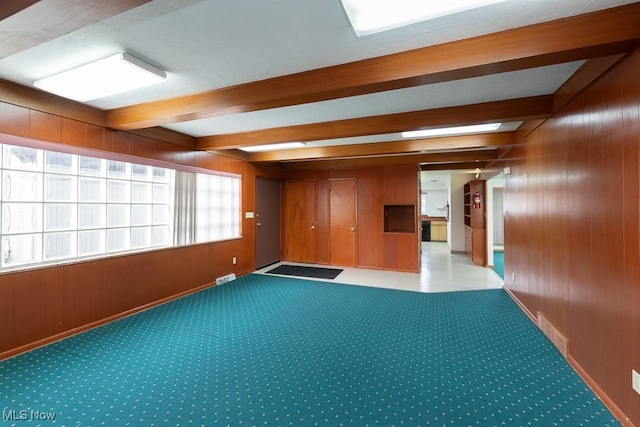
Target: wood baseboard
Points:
x,y
66,334
611,406
604,398
523,307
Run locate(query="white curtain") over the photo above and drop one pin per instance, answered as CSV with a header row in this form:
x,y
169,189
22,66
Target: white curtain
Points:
x,y
184,218
217,207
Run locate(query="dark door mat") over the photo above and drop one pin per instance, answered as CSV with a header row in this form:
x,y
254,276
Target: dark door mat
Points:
x,y
315,272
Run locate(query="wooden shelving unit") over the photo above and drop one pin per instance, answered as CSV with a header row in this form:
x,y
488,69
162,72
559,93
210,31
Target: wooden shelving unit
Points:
x,y
467,204
475,222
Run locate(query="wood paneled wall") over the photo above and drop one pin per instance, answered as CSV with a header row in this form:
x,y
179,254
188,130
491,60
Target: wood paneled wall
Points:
x,y
42,304
376,186
572,237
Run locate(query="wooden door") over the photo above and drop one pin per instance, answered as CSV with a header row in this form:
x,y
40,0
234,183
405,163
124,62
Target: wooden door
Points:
x,y
300,221
267,219
342,217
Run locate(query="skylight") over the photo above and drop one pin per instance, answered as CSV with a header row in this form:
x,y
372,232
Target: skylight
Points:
x,y
373,16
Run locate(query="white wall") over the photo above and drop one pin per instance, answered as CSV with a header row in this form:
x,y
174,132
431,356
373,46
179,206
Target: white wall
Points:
x,y
435,202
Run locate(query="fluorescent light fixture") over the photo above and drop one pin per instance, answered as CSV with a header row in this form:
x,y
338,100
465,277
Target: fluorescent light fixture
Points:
x,y
273,147
373,16
109,76
451,131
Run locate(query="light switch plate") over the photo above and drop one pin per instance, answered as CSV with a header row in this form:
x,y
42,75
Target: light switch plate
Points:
x,y
635,381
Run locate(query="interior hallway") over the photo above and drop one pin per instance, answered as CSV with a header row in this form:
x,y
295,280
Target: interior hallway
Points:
x,y
441,271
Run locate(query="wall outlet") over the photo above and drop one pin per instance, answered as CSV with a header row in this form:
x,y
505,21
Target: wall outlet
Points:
x,y
234,260
635,381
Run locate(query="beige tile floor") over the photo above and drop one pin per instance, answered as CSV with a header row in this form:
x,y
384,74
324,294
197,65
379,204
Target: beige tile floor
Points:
x,y
441,271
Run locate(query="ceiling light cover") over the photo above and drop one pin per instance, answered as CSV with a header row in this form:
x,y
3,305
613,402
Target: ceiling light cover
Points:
x,y
451,131
273,147
373,16
109,76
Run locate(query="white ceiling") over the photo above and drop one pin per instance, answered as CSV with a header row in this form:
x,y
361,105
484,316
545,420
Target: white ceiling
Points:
x,y
212,44
434,181
497,87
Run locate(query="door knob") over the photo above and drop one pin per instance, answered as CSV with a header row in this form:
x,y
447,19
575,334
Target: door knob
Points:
x,y
258,224
353,229
313,227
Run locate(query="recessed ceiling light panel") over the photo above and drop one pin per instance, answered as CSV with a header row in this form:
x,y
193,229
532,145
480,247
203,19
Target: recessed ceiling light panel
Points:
x,y
273,147
373,16
108,76
457,130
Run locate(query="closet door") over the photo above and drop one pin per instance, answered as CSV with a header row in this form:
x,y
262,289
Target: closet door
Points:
x,y
300,221
343,222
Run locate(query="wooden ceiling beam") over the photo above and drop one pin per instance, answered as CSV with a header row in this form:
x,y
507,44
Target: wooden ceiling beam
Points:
x,y
47,20
563,40
589,72
233,154
454,166
481,157
537,107
167,135
388,148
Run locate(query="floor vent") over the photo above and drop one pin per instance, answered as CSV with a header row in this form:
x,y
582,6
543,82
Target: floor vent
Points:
x,y
225,279
560,341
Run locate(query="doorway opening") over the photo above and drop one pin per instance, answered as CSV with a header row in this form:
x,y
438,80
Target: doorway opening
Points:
x,y
495,224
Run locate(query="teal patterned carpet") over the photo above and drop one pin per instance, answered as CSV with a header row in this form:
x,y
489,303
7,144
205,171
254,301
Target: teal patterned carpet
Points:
x,y
498,263
280,351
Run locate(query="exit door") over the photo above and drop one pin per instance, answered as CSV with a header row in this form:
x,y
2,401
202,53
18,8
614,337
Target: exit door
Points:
x,y
267,219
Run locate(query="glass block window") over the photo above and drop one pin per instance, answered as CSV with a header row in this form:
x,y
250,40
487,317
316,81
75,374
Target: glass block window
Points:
x,y
56,207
